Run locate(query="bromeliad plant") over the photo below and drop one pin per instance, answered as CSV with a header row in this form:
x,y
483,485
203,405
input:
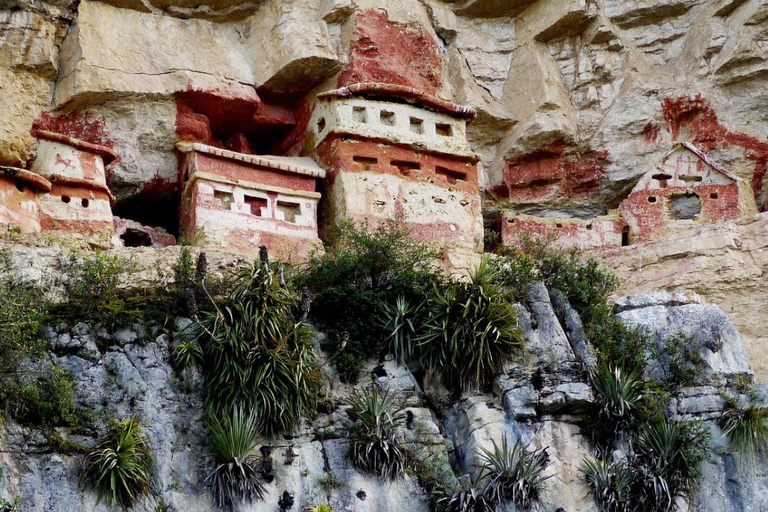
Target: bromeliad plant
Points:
x,y
619,394
118,468
471,497
514,473
746,428
611,483
257,356
472,330
666,463
233,441
402,321
375,447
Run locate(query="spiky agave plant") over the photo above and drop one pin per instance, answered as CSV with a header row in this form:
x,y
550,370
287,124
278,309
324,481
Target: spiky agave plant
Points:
x,y
187,353
514,473
400,325
324,507
471,497
118,468
666,464
375,447
619,394
257,355
746,429
611,483
472,330
233,440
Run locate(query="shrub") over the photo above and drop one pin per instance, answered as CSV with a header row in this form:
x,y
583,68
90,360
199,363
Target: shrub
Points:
x,y
666,465
257,356
746,428
586,285
680,360
93,290
615,343
515,474
472,330
611,483
118,468
33,389
236,478
362,270
11,506
375,447
45,398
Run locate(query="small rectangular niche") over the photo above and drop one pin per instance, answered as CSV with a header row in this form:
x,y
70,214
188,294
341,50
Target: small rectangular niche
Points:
x,y
451,175
444,129
226,198
320,125
258,205
290,210
405,166
359,114
417,125
365,161
691,179
387,118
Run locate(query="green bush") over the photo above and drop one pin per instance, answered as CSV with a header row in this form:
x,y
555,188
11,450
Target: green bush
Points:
x,y
237,477
33,390
514,473
611,483
745,427
374,445
587,286
257,356
118,468
681,360
93,291
471,331
361,272
47,399
11,506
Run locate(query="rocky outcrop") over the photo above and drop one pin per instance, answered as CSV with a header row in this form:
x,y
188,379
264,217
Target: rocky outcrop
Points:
x,y
541,399
722,263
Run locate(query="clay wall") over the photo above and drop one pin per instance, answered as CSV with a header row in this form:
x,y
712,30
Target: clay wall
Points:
x,y
585,234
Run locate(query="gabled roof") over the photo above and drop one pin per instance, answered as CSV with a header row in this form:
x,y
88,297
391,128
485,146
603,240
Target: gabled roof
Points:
x,y
401,93
696,151
293,164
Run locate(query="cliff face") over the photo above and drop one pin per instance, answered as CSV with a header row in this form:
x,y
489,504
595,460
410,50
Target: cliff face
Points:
x,y
590,93
568,104
542,400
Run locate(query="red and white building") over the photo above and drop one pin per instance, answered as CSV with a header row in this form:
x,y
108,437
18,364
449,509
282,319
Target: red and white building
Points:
x,y
395,152
685,189
236,202
79,199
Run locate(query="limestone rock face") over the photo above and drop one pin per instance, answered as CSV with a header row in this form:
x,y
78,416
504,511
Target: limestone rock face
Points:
x,y
721,263
541,399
